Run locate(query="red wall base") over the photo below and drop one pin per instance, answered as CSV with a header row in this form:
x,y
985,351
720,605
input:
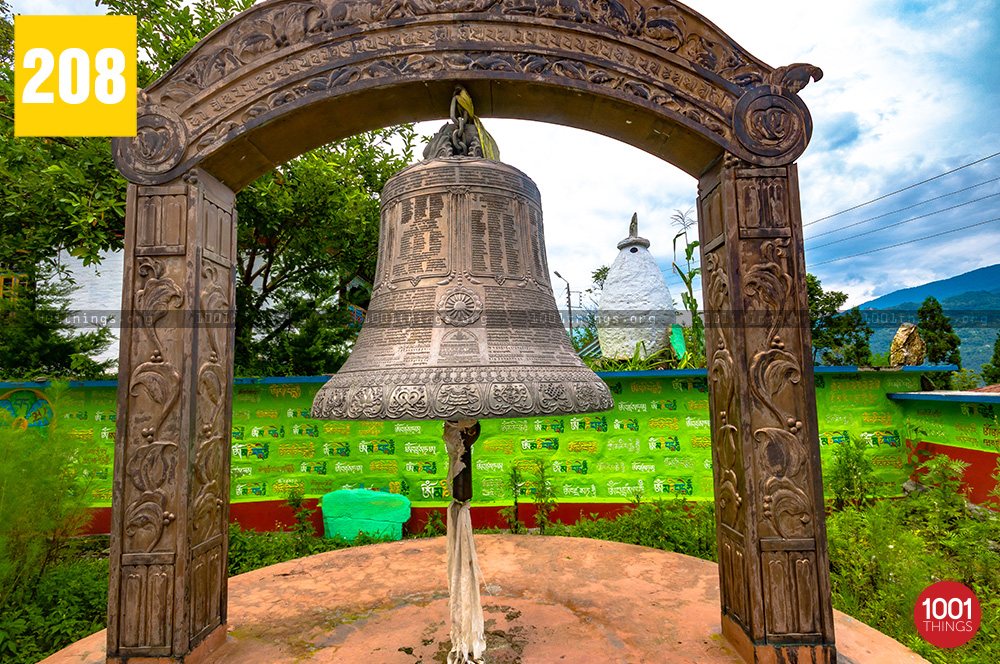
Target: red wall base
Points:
x,y
978,479
271,515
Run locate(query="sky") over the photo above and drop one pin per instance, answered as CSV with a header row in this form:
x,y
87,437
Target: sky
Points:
x,y
910,90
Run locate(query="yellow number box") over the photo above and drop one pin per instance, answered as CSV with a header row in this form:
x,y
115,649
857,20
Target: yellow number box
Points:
x,y
74,75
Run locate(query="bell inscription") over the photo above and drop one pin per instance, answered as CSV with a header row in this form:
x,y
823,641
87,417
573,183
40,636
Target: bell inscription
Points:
x,y
462,305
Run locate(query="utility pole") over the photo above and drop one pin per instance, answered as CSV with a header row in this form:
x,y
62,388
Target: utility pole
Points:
x,y
569,305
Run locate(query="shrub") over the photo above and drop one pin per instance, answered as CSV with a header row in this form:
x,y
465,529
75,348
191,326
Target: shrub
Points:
x,y
852,477
42,503
435,526
510,512
883,555
545,498
69,602
676,525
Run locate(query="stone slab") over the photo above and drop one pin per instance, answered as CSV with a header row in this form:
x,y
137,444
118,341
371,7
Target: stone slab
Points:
x,y
551,600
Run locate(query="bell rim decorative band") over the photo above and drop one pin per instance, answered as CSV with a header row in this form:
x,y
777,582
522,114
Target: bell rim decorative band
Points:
x,y
474,392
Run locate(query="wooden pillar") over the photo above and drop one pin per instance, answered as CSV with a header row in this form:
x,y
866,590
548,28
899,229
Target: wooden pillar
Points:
x,y
770,524
170,510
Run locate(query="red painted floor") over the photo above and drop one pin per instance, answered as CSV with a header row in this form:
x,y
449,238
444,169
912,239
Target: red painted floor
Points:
x,y
550,600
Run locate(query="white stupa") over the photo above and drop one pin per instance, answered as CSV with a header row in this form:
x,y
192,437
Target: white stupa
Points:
x,y
635,306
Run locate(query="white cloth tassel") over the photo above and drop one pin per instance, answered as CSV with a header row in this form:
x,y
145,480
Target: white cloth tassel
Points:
x,y
468,640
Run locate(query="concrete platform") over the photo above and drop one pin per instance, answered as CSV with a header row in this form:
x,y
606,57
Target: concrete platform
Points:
x,y
552,600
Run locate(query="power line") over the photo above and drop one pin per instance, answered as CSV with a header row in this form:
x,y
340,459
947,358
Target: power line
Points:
x,y
900,244
899,191
905,221
902,209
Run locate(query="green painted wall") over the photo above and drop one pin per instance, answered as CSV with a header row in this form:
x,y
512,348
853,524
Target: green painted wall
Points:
x,y
970,425
656,440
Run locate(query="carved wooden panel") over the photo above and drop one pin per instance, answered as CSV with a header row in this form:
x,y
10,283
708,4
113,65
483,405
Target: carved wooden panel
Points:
x,y
209,470
151,588
773,567
790,593
762,203
170,506
161,225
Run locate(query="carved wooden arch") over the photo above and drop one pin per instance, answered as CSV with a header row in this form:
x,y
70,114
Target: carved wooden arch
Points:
x,y
289,75
653,74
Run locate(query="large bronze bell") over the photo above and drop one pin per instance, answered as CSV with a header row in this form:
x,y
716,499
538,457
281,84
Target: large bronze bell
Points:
x,y
462,322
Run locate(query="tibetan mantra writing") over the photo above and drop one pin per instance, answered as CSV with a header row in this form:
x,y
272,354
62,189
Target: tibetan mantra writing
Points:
x,y
656,440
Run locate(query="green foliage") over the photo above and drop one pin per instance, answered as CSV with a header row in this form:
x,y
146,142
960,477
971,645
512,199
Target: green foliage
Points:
x,y
545,496
6,35
677,525
250,550
879,566
665,358
995,491
303,531
63,194
168,29
852,476
586,334
59,193
936,331
694,338
599,276
45,601
991,370
838,339
514,483
943,503
69,602
36,340
879,360
882,555
435,526
964,379
307,230
43,498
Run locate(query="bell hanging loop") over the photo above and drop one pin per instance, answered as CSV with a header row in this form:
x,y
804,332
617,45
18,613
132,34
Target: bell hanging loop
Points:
x,y
459,119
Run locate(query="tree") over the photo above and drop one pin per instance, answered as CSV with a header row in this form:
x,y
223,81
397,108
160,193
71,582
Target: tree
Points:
x,y
837,338
59,193
991,370
64,194
936,330
168,29
38,340
307,231
586,334
964,379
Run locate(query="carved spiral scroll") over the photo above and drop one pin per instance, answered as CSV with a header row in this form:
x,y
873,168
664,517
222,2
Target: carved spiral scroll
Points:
x,y
158,146
772,122
770,119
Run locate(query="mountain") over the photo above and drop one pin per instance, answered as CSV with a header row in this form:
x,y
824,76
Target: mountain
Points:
x,y
985,279
966,298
